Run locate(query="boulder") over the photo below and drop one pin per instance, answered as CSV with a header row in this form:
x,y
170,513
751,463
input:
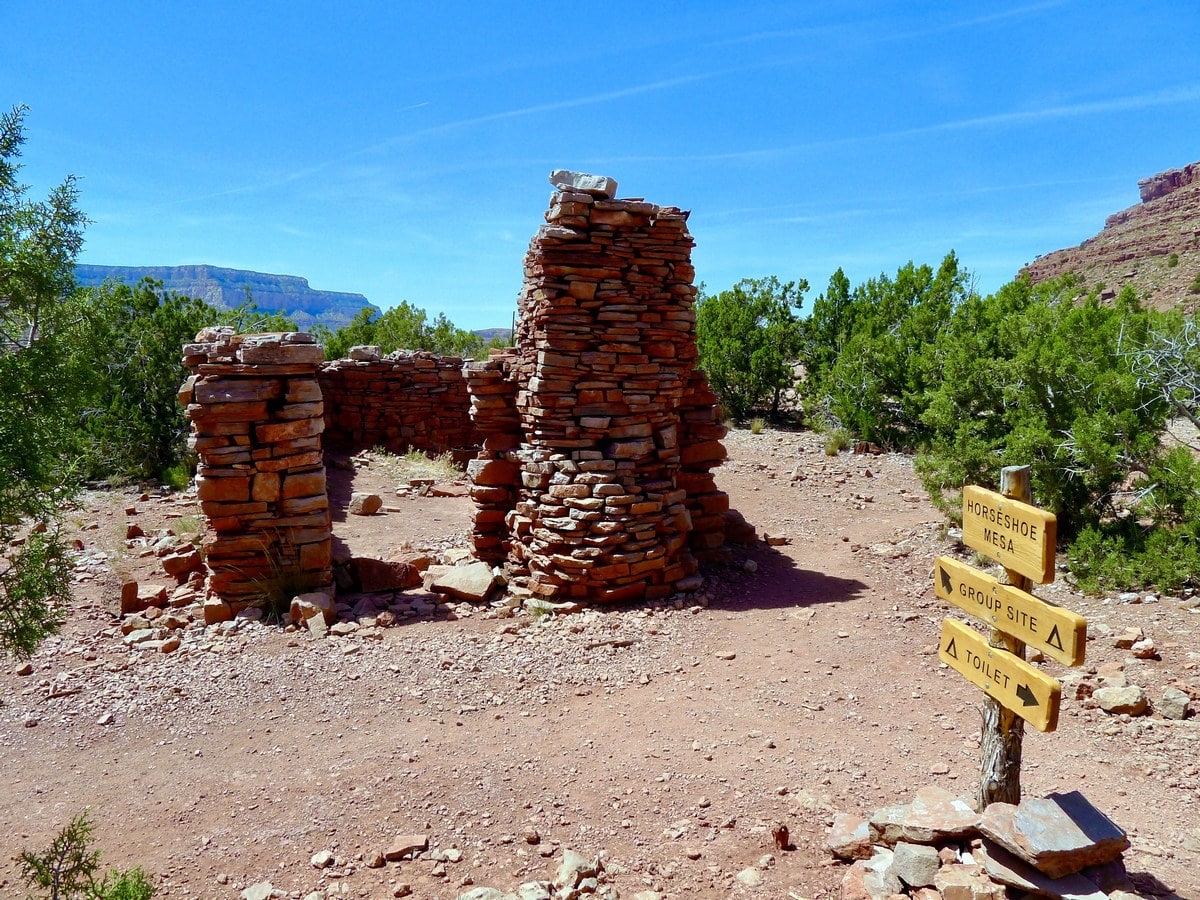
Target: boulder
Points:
x,y
375,575
473,581
364,504
1173,705
915,864
1129,699
871,879
849,837
573,869
1058,835
967,882
581,183
308,606
364,353
182,563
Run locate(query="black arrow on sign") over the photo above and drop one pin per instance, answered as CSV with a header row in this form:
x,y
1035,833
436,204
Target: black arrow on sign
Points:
x,y
1026,695
947,584
1054,640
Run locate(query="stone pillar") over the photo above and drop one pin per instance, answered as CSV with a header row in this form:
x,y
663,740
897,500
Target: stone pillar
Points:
x,y
589,445
257,418
494,477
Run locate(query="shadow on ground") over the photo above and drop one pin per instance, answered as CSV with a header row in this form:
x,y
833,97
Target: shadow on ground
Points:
x,y
778,583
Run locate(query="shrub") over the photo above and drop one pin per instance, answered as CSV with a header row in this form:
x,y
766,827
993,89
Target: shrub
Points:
x,y
878,382
1172,260
748,337
757,425
836,441
1125,555
1029,376
67,869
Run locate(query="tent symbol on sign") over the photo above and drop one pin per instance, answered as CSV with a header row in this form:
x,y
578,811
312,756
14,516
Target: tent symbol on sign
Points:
x,y
1054,639
951,650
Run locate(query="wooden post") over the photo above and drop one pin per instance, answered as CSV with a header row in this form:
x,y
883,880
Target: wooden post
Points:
x,y
1003,731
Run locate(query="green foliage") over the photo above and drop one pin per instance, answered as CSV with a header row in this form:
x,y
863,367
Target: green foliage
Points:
x,y
837,440
748,338
879,381
1194,288
39,241
67,869
124,370
1127,556
757,425
126,359
1172,497
1030,377
1172,260
403,327
1157,542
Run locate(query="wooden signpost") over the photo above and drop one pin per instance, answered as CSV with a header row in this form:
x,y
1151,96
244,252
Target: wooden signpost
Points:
x,y
1018,536
1005,677
1056,632
1006,527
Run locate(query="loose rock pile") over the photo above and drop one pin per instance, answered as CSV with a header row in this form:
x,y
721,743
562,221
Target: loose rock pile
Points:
x,y
598,432
257,417
937,846
401,401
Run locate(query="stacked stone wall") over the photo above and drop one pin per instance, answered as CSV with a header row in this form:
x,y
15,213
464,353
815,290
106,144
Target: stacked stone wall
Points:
x,y
402,401
597,445
256,421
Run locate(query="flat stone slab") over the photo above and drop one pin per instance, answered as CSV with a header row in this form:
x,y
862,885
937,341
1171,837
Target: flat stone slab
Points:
x,y
1058,835
405,845
934,815
1006,868
582,183
473,581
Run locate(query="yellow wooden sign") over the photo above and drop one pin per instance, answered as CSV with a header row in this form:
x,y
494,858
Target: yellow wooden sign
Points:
x,y
1016,535
1014,683
1057,632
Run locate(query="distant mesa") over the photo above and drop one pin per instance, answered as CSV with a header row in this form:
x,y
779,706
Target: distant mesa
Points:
x,y
1153,246
1165,182
226,289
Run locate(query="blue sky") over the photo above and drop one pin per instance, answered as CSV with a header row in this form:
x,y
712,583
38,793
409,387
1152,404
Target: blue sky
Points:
x,y
400,150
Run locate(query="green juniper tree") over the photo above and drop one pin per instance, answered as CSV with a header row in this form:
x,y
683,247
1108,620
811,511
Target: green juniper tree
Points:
x,y
39,240
748,338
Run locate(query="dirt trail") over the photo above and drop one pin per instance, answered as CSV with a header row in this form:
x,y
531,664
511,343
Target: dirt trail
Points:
x,y
670,738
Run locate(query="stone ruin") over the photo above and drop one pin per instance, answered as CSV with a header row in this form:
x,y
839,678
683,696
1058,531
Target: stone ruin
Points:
x,y
257,418
598,432
401,401
596,435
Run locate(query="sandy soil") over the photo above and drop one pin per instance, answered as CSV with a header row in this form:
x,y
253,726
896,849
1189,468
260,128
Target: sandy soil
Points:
x,y
670,738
